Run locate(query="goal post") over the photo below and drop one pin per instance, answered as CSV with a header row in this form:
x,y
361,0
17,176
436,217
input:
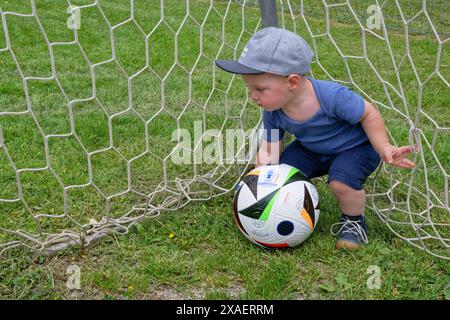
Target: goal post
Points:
x,y
114,111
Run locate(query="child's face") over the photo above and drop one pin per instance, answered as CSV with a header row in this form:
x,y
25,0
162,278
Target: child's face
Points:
x,y
269,91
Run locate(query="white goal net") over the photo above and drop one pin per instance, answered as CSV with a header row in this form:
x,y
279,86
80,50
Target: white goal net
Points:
x,y
113,111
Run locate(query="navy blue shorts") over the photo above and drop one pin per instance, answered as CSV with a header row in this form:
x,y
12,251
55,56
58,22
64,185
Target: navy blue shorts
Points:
x,y
351,167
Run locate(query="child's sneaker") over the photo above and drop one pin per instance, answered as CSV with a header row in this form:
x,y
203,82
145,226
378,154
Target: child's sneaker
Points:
x,y
352,232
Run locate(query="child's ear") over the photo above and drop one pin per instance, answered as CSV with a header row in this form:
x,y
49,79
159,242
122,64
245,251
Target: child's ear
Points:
x,y
294,81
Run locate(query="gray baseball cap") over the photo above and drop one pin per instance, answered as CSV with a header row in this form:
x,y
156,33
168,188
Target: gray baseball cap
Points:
x,y
272,50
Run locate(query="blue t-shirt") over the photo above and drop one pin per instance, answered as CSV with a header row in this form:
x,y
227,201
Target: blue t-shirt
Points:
x,y
333,129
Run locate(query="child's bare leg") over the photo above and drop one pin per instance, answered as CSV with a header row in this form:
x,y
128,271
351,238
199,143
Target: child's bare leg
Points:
x,y
352,228
351,201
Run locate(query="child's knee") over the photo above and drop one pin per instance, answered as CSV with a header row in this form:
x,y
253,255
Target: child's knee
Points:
x,y
341,189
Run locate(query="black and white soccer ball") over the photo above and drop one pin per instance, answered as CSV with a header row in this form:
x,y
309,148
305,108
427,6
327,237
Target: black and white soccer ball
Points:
x,y
276,206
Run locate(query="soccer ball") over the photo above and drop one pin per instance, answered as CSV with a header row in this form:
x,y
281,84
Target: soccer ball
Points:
x,y
276,206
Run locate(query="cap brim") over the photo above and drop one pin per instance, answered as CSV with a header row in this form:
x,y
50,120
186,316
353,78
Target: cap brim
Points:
x,y
234,66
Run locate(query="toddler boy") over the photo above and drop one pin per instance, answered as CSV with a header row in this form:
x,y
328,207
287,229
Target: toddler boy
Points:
x,y
337,132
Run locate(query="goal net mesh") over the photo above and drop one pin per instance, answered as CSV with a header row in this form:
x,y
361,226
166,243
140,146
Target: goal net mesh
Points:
x,y
95,95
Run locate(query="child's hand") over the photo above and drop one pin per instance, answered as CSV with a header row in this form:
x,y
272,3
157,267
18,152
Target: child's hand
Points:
x,y
396,156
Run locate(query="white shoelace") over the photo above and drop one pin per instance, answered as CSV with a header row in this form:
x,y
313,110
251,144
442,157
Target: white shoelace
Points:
x,y
354,227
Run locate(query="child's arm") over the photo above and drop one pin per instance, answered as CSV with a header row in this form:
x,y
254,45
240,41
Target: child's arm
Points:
x,y
373,125
268,153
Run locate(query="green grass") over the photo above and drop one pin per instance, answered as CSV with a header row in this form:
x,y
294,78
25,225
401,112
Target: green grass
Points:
x,y
207,257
